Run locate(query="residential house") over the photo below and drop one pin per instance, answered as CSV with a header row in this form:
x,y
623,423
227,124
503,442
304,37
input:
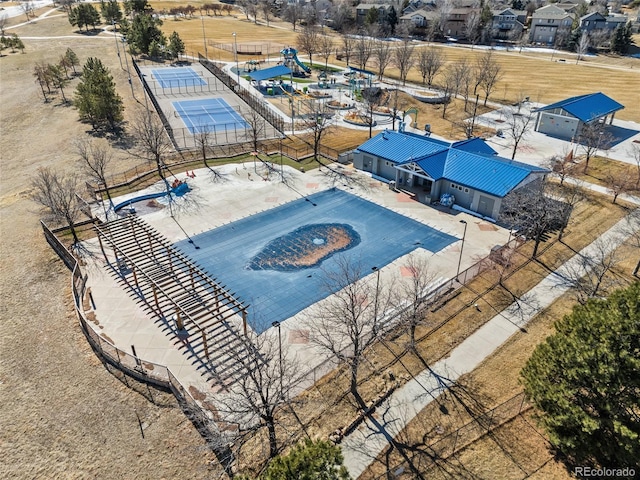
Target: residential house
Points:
x,y
420,18
547,22
469,170
455,24
566,118
595,22
363,9
508,23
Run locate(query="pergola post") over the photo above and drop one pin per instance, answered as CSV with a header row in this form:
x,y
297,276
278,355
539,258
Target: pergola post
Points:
x,y
244,320
102,248
204,343
179,323
155,297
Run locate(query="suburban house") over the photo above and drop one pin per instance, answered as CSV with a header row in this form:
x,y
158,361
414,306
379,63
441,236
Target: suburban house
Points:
x,y
595,22
415,5
469,170
547,22
508,23
420,18
455,25
566,118
363,9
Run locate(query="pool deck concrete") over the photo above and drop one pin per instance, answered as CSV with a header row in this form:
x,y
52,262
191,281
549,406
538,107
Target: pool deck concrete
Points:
x,y
241,191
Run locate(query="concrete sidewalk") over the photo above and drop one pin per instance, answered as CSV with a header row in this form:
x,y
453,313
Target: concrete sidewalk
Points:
x,y
367,442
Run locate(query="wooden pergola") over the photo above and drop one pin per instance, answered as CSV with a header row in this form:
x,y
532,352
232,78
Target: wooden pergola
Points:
x,y
176,288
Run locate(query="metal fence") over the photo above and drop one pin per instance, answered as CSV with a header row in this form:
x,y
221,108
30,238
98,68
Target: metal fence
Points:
x,y
255,103
460,438
133,366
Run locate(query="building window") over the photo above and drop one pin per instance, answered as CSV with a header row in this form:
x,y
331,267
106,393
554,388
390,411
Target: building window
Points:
x,y
453,185
466,190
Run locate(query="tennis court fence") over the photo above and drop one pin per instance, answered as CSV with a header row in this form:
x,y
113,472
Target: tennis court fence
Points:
x,y
243,93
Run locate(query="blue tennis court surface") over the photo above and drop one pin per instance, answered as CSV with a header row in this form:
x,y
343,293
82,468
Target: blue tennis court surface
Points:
x,y
211,114
176,77
226,252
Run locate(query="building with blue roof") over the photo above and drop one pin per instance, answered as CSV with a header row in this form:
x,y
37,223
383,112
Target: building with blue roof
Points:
x,y
566,118
469,170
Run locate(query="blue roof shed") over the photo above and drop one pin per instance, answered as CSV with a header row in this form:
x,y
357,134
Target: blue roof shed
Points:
x,y
586,108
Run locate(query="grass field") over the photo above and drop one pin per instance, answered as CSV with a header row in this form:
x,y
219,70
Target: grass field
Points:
x,y
64,413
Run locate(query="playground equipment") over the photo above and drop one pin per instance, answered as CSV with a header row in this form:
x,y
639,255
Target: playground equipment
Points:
x,y
322,80
292,61
415,120
178,188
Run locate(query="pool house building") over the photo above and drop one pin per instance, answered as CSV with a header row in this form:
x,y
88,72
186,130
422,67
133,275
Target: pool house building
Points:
x,y
469,171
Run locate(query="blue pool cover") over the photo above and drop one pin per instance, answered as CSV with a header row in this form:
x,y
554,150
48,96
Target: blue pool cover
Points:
x,y
272,295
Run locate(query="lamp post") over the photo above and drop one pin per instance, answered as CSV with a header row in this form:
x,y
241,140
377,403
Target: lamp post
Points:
x,y
375,303
235,54
126,61
115,37
277,325
204,37
464,234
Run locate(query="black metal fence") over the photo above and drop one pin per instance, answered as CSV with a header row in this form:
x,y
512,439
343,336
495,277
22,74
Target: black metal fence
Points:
x,y
276,121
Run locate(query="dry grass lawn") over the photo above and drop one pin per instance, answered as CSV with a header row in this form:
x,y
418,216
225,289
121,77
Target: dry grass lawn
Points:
x,y
64,414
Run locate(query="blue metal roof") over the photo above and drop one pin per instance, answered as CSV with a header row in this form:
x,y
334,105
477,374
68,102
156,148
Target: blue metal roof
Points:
x,y
474,145
586,107
402,147
491,174
480,168
270,72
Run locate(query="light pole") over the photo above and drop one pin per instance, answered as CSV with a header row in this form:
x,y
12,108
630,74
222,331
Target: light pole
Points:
x,y
115,37
277,325
126,61
464,234
235,54
204,36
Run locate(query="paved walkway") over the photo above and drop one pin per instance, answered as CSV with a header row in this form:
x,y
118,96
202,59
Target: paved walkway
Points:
x,y
363,445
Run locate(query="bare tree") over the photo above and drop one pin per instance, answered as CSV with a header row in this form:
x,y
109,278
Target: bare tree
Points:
x,y
430,61
404,59
267,376
618,183
152,140
41,74
533,213
95,157
57,193
462,76
307,41
363,49
348,322
593,137
472,27
583,46
325,48
348,45
319,124
634,152
382,55
631,231
517,127
591,275
412,294
3,22
265,7
488,73
373,97
27,8
448,88
293,14
562,166
203,137
256,128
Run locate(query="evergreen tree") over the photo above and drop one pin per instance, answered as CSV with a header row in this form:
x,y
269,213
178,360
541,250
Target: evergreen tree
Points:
x,y
59,79
585,379
621,39
96,98
311,460
72,59
136,6
372,16
110,11
390,21
84,15
176,45
143,30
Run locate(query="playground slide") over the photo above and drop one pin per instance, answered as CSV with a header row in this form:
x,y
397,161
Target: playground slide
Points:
x,y
300,64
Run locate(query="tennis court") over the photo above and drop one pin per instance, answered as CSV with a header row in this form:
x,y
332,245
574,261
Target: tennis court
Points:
x,y
230,253
177,77
210,114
